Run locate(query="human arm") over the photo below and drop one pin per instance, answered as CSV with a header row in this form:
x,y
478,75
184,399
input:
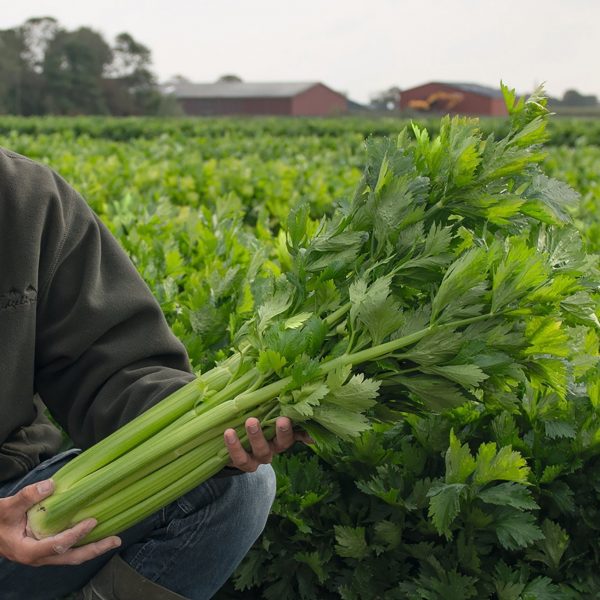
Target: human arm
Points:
x,y
104,352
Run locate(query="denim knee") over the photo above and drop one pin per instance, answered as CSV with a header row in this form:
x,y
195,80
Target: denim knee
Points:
x,y
255,495
249,500
244,500
194,544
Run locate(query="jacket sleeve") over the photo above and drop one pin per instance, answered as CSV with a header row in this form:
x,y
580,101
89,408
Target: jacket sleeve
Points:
x,y
104,351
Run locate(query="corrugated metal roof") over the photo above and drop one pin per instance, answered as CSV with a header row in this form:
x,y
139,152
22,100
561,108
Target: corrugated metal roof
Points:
x,y
475,88
240,89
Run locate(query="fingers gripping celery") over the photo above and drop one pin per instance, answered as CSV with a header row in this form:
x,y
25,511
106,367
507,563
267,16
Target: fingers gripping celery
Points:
x,y
435,285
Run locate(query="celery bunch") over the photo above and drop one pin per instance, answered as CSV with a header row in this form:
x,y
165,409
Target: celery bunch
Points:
x,y
410,297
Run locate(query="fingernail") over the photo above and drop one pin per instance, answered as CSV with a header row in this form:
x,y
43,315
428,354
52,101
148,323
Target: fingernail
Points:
x,y
284,428
116,543
253,428
90,525
44,486
230,437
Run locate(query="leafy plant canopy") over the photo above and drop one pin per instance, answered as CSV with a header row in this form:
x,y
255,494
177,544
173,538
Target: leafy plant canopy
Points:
x,y
436,333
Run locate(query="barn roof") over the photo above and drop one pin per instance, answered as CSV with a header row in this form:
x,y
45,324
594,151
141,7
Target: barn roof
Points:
x,y
474,88
241,89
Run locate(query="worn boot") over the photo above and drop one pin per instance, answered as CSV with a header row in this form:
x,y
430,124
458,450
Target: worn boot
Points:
x,y
118,581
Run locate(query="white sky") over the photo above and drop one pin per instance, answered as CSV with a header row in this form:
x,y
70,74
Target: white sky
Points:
x,y
357,47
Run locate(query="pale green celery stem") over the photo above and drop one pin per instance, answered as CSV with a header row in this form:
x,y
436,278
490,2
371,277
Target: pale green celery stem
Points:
x,y
145,425
385,349
187,478
246,401
336,315
58,507
128,436
249,380
168,458
374,352
104,508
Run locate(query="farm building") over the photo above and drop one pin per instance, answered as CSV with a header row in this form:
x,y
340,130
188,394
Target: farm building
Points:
x,y
455,98
242,98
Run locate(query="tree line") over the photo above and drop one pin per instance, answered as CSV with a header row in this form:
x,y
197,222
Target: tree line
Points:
x,y
47,69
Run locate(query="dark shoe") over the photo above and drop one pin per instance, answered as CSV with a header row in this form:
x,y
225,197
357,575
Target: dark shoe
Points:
x,y
118,581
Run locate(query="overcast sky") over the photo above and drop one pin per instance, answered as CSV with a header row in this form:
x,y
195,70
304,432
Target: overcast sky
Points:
x,y
357,47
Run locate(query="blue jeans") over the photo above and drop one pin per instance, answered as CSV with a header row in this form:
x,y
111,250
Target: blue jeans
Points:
x,y
190,547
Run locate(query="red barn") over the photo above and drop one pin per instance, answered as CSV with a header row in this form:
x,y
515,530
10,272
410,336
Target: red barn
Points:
x,y
454,98
242,98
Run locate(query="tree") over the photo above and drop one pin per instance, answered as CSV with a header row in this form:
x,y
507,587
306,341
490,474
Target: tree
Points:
x,y
574,98
129,57
11,48
46,69
74,65
37,33
130,85
229,79
387,100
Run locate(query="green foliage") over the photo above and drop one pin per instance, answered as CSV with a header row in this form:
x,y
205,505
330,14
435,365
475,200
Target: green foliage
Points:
x,y
487,500
498,496
46,69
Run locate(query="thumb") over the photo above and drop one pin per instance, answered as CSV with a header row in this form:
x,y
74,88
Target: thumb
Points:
x,y
23,500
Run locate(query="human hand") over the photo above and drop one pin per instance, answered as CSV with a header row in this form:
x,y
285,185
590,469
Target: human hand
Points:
x,y
17,545
262,450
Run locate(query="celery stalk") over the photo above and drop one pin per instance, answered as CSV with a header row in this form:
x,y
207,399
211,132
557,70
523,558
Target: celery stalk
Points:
x,y
149,495
147,424
188,434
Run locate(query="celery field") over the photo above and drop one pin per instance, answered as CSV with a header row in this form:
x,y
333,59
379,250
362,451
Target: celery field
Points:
x,y
496,497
